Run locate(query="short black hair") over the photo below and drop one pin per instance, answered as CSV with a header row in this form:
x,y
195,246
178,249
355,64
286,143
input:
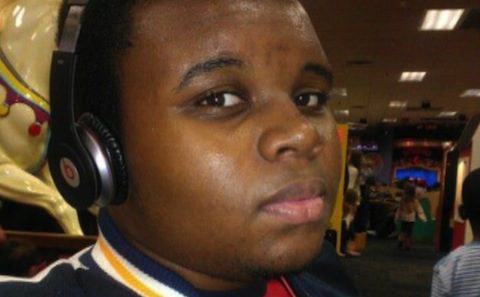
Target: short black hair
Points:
x,y
106,27
471,198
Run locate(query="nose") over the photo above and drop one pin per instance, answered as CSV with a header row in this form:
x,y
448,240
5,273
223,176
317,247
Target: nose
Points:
x,y
290,134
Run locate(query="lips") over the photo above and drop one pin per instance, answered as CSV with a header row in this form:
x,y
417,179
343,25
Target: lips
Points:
x,y
298,203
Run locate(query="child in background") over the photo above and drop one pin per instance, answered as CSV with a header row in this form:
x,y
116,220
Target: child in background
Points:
x,y
408,209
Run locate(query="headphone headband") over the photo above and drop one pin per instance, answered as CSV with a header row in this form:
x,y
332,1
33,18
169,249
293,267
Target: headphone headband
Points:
x,y
71,26
63,67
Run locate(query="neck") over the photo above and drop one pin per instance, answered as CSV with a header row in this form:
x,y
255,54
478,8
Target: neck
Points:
x,y
197,279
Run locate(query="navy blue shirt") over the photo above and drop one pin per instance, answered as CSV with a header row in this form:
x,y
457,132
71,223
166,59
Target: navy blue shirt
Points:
x,y
113,267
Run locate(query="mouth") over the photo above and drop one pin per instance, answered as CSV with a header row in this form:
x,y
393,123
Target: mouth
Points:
x,y
298,203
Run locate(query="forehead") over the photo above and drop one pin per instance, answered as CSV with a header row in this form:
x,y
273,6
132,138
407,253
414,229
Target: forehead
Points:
x,y
210,21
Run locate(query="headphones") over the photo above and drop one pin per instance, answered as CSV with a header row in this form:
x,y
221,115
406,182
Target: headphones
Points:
x,y
85,159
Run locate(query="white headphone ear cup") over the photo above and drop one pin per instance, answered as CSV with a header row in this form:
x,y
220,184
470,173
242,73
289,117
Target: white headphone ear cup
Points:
x,y
108,158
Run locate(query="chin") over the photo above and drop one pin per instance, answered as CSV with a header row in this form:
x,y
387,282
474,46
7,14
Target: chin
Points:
x,y
279,268
286,260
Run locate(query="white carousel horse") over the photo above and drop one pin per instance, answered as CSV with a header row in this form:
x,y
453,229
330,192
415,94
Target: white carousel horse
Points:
x,y
27,34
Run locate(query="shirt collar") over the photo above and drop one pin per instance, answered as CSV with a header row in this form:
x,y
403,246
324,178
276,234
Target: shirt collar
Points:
x,y
144,275
132,268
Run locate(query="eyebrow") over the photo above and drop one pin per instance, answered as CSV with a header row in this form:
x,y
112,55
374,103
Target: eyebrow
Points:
x,y
319,70
207,66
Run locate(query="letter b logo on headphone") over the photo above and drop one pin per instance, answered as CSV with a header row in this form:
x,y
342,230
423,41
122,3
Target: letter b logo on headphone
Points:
x,y
69,172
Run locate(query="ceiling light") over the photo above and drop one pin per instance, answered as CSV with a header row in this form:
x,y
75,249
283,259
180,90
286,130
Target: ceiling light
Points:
x,y
389,120
398,104
342,112
412,76
447,114
339,92
441,19
471,93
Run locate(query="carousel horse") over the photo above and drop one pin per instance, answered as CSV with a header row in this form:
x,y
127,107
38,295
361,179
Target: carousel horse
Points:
x,y
27,39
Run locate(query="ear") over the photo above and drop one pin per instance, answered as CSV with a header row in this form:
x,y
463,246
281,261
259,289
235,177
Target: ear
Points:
x,y
463,212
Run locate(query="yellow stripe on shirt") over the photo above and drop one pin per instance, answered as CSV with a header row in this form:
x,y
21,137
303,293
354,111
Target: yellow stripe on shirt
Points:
x,y
124,273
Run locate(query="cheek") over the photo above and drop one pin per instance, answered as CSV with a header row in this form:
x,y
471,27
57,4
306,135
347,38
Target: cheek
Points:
x,y
187,169
211,175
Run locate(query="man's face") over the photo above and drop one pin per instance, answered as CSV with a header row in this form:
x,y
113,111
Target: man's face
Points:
x,y
233,156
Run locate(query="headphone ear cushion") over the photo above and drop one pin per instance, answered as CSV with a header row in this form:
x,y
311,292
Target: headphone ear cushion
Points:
x,y
115,156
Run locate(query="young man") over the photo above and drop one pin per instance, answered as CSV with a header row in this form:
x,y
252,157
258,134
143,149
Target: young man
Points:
x,y
232,154
458,274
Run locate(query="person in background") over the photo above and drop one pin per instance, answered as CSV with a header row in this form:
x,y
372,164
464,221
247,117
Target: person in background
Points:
x,y
367,192
355,180
458,273
408,210
354,169
350,204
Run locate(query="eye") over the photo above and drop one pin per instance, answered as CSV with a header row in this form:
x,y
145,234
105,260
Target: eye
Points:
x,y
220,99
311,99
